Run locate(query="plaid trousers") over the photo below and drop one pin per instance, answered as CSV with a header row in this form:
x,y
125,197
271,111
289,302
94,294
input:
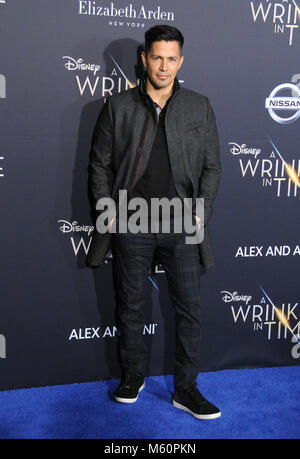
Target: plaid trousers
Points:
x,y
132,259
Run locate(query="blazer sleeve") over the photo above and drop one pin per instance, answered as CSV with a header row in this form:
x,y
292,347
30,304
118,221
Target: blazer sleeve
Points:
x,y
210,178
101,174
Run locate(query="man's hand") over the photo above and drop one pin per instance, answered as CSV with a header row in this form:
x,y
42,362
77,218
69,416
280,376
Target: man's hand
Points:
x,y
111,224
198,221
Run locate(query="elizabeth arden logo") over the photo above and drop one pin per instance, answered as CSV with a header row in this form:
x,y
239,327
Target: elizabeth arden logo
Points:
x,y
126,16
284,17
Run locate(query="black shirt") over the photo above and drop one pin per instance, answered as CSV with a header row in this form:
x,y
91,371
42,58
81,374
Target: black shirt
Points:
x,y
157,180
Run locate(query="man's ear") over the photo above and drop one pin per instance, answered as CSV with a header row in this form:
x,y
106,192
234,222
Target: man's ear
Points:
x,y
181,62
144,60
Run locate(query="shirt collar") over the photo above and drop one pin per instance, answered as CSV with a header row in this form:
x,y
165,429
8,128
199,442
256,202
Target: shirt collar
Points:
x,y
143,86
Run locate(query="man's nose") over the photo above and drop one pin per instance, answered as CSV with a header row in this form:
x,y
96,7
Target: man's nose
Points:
x,y
163,65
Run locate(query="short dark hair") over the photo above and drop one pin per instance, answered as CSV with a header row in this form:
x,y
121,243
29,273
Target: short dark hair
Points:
x,y
162,32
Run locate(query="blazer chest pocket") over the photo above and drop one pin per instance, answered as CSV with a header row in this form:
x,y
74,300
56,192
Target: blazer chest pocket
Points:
x,y
193,128
191,139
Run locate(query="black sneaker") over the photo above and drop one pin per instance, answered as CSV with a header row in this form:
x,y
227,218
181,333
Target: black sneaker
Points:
x,y
193,402
129,388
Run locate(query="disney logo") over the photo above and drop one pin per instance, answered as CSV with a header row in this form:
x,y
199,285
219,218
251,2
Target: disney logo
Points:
x,y
228,297
67,227
242,150
78,64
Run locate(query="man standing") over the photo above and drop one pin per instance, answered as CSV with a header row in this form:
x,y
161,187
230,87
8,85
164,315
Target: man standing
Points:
x,y
158,140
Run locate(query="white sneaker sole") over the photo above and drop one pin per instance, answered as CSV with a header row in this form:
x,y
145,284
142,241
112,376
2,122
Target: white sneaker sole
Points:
x,y
197,416
129,400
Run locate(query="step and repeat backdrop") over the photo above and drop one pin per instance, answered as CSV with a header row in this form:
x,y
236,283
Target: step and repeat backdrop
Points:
x,y
59,60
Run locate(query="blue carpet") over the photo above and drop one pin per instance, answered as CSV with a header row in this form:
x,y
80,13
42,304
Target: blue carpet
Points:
x,y
255,404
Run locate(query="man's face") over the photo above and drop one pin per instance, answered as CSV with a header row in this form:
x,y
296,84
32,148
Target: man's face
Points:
x,y
162,62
